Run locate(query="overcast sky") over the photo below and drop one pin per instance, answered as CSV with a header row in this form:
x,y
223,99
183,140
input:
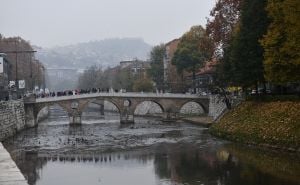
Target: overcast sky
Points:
x,y
50,23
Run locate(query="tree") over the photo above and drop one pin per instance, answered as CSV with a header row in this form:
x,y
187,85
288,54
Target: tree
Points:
x,y
194,49
156,71
224,18
88,78
123,80
144,85
245,53
221,27
282,42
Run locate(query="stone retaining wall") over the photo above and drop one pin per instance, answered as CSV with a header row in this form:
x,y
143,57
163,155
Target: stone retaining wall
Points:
x,y
12,118
217,106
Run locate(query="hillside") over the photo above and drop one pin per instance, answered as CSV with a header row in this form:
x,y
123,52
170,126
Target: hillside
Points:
x,y
108,52
273,124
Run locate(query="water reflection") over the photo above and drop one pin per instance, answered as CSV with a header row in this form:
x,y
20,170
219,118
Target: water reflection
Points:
x,y
165,164
285,167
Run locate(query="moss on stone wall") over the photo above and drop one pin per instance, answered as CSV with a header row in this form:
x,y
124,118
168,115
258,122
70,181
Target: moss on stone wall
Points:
x,y
274,124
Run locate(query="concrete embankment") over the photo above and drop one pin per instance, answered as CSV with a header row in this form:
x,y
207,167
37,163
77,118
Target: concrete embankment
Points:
x,y
199,120
9,172
12,118
268,124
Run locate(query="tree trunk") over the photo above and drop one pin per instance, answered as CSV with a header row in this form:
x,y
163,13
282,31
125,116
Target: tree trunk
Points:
x,y
265,88
227,101
194,78
256,88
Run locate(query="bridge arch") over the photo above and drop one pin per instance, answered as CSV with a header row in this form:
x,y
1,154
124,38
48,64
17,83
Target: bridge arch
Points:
x,y
192,107
38,115
150,107
115,103
92,107
101,102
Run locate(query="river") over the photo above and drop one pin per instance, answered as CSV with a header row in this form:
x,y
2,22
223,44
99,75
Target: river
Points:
x,y
150,152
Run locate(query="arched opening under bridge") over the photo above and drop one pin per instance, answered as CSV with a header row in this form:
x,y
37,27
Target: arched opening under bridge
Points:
x,y
148,108
100,109
192,108
54,113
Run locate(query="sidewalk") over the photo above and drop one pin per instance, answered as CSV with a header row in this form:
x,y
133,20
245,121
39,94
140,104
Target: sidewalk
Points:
x,y
9,172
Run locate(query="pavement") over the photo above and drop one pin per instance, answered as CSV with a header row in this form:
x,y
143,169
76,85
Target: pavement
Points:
x,y
9,172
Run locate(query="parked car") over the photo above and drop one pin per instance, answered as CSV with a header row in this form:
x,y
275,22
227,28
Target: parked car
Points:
x,y
260,91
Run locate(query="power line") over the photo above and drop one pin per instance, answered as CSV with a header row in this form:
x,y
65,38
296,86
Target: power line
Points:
x,y
23,51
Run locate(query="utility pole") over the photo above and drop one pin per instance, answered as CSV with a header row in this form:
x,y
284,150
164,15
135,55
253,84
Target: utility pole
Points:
x,y
17,82
16,52
31,81
16,70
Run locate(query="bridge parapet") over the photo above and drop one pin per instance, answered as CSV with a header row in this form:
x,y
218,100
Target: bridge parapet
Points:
x,y
122,95
29,99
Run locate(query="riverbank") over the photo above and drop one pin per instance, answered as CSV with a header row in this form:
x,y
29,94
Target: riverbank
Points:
x,y
274,124
199,120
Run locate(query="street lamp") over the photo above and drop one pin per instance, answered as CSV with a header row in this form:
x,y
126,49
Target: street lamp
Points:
x,y
44,81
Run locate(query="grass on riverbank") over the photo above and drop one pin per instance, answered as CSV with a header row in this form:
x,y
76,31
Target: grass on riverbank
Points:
x,y
274,124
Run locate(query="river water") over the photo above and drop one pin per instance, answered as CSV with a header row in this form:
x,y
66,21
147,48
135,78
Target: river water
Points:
x,y
150,152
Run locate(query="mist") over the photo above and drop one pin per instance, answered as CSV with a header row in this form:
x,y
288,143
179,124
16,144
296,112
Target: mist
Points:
x,y
51,23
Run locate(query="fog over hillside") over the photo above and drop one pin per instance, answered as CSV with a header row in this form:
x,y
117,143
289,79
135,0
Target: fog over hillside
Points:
x,y
108,52
64,63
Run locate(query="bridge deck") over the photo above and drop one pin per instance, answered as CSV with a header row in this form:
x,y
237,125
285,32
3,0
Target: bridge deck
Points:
x,y
126,95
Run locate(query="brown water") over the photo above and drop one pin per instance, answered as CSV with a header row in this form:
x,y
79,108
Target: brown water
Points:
x,y
101,151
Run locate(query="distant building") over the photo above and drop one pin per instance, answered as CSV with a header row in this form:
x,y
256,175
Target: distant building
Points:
x,y
173,81
170,50
62,78
136,67
62,73
4,76
179,83
204,77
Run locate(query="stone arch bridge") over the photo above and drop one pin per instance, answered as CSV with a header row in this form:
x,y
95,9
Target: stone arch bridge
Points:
x,y
126,103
